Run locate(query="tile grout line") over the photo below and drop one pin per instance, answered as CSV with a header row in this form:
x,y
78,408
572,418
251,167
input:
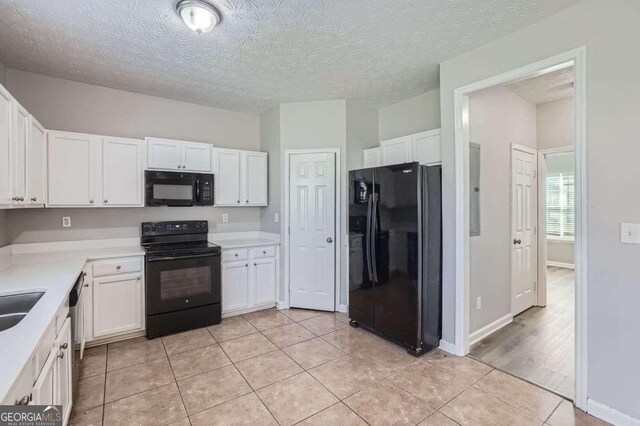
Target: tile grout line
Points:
x,y
175,380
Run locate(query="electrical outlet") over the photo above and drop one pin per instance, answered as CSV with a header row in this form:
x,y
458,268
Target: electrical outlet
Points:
x,y
478,303
66,221
630,233
225,218
276,217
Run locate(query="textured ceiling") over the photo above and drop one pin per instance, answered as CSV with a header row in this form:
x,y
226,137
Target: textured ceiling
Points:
x,y
545,88
264,52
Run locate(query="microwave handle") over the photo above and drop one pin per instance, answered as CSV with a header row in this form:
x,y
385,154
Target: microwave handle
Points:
x,y
197,190
178,257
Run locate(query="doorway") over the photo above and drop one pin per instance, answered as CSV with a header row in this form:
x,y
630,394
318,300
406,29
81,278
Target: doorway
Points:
x,y
490,316
312,241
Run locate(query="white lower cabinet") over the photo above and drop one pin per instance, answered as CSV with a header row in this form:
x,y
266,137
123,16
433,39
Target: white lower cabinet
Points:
x,y
249,279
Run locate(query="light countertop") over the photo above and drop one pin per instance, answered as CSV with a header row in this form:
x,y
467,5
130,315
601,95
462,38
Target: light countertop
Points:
x,y
55,273
233,243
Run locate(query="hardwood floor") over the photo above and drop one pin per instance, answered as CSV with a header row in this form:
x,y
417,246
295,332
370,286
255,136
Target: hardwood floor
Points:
x,y
538,345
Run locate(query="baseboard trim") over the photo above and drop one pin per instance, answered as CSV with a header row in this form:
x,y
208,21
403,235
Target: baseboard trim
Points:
x,y
343,308
478,335
561,265
611,415
447,347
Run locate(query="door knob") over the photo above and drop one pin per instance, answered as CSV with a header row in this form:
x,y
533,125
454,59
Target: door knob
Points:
x,y
33,199
517,241
329,240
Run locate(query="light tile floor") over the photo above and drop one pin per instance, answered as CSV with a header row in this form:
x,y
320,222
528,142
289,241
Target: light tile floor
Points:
x,y
294,366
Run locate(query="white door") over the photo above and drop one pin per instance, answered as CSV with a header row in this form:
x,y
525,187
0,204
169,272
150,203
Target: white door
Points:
x,y
62,383
312,224
373,157
255,178
524,258
43,389
19,154
235,285
396,151
73,169
36,167
196,157
264,280
227,177
427,147
122,171
117,304
163,154
6,106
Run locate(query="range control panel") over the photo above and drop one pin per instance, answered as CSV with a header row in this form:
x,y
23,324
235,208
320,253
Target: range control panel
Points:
x,y
175,228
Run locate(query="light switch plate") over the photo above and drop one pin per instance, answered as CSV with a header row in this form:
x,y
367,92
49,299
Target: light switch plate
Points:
x,y
225,218
478,303
276,218
630,233
66,221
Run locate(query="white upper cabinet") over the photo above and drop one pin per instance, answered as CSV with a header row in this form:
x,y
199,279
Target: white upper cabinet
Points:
x,y
373,157
122,172
36,164
166,154
74,169
240,177
226,170
6,106
254,178
427,147
397,151
19,154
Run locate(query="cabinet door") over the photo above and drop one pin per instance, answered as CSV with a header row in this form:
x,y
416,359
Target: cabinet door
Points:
x,y
264,280
43,390
427,147
163,154
6,105
36,166
122,172
80,339
196,157
254,178
235,286
396,151
73,169
227,177
373,157
117,304
19,154
62,381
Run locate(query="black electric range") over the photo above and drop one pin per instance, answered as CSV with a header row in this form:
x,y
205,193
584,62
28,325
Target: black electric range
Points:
x,y
183,277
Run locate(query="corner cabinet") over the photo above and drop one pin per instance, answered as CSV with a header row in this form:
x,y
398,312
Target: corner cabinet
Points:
x,y
94,171
249,279
424,148
373,157
241,177
167,154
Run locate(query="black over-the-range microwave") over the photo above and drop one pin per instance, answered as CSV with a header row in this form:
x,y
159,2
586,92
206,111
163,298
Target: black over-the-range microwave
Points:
x,y
178,189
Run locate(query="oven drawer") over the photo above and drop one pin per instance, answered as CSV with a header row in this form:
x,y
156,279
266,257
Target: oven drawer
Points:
x,y
117,266
259,252
231,255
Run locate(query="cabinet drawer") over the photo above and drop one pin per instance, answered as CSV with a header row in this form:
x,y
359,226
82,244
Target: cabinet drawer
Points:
x,y
117,266
231,255
258,252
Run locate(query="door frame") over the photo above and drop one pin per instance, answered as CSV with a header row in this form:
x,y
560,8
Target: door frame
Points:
x,y
576,58
542,222
534,152
337,222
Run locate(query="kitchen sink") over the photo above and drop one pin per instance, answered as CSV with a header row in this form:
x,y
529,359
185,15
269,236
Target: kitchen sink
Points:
x,y
14,307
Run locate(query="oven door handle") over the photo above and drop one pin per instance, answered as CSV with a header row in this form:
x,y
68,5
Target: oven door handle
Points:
x,y
186,256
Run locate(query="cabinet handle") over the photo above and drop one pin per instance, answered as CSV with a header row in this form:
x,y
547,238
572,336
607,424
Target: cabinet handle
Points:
x,y
84,274
14,199
64,345
255,264
183,166
247,201
91,201
179,166
236,255
118,267
24,400
138,278
21,198
238,201
34,199
246,265
86,285
264,252
61,355
106,201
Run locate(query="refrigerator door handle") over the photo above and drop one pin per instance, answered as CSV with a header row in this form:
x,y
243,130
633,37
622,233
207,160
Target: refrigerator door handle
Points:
x,y
367,238
374,223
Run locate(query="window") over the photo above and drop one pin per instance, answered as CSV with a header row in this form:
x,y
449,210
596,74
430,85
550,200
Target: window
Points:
x,y
560,206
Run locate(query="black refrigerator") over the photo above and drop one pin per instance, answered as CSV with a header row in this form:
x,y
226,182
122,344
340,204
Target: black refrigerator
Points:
x,y
395,253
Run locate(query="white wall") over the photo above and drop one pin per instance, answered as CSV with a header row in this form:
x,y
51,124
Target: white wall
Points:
x,y
556,124
66,105
609,30
4,238
412,115
497,118
362,132
270,143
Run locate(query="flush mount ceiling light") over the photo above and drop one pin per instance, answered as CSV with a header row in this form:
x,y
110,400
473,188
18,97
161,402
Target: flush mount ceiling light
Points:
x,y
199,15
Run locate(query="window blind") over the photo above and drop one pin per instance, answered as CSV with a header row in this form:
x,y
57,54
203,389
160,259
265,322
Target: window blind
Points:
x,y
560,205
